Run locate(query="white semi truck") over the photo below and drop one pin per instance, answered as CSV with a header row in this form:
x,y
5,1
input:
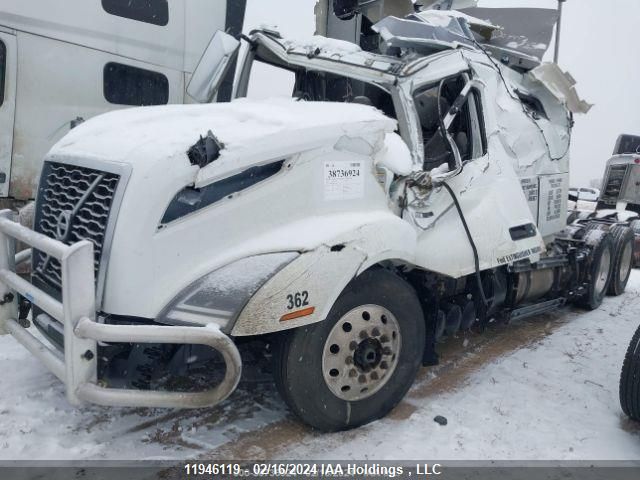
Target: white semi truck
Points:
x,y
396,199
619,200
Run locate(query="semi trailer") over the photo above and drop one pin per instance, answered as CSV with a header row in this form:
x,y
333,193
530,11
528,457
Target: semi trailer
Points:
x,y
397,198
65,61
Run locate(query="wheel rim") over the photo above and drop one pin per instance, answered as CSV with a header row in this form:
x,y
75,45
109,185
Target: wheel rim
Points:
x,y
603,271
361,352
625,261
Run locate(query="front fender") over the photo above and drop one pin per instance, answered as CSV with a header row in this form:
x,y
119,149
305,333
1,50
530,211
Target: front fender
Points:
x,y
305,290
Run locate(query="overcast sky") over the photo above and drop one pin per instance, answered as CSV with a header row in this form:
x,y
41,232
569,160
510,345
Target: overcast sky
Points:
x,y
600,48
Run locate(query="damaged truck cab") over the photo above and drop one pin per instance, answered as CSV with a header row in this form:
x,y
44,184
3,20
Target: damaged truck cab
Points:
x,y
395,200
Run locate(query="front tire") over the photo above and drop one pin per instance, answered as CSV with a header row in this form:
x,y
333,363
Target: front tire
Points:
x,y
356,365
630,379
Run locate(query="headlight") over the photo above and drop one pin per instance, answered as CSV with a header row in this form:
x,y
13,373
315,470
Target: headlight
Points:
x,y
220,296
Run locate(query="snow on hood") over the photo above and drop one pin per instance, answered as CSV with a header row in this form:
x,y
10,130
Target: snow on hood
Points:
x,y
245,127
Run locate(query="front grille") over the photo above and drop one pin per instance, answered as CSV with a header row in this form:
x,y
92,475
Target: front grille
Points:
x,y
615,178
73,204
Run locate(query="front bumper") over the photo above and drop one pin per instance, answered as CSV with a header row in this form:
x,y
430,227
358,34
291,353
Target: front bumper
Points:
x,y
77,314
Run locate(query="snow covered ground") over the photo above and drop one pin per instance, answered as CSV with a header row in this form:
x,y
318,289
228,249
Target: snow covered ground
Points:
x,y
543,388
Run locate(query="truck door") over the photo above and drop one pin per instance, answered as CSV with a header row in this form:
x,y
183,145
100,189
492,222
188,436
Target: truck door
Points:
x,y
488,196
7,106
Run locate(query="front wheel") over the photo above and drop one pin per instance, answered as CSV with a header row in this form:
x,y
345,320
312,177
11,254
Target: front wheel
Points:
x,y
355,366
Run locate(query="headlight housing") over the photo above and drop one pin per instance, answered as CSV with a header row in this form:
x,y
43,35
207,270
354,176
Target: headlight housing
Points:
x,y
220,296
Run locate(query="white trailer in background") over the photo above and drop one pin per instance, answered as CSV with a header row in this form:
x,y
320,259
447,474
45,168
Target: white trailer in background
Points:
x,y
65,61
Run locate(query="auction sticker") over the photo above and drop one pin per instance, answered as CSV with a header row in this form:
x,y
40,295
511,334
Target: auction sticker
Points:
x,y
343,180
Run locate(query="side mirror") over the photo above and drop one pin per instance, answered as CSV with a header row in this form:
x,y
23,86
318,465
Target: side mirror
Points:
x,y
213,66
345,9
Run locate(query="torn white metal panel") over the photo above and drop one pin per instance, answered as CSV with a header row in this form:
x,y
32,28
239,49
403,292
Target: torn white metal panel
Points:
x,y
531,147
439,67
530,140
561,85
417,35
524,31
517,137
333,56
481,27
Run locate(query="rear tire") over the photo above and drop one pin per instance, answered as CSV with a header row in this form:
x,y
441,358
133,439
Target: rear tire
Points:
x,y
623,242
355,366
599,273
630,379
635,226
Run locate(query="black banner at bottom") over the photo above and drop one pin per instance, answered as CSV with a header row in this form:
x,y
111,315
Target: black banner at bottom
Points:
x,y
418,469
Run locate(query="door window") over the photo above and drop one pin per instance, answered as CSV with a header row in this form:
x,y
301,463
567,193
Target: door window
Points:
x,y
155,12
467,130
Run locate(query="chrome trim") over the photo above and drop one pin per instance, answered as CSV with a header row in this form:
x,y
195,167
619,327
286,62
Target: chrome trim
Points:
x,y
124,171
77,367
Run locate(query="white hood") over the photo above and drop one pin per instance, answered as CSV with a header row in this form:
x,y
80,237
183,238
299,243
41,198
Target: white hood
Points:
x,y
250,130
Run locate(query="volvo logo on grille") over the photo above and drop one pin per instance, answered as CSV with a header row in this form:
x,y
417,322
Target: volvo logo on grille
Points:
x,y
66,217
64,224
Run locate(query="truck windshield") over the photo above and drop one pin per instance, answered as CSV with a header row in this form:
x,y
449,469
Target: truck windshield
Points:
x,y
268,80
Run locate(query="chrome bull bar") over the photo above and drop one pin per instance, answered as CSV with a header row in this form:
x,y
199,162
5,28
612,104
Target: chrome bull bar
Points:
x,y
78,367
